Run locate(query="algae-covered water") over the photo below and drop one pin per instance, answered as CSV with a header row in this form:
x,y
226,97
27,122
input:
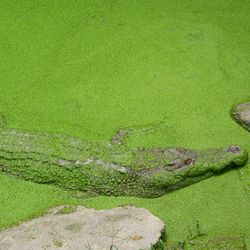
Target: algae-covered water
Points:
x,y
88,68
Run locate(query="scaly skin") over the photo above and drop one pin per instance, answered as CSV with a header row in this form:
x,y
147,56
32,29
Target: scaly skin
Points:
x,y
111,168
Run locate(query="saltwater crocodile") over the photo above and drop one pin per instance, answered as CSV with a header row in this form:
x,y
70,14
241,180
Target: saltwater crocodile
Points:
x,y
109,168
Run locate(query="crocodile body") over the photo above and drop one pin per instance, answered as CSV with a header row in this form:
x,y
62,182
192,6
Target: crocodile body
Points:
x,y
109,168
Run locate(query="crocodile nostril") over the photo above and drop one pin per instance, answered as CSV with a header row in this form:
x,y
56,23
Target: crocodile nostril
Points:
x,y
234,149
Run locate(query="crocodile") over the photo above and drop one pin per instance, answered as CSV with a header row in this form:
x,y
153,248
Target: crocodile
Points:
x,y
111,168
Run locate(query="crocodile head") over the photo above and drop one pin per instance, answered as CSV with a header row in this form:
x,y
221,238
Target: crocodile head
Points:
x,y
174,168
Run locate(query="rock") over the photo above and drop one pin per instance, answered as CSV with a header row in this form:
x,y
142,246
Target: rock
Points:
x,y
241,114
127,227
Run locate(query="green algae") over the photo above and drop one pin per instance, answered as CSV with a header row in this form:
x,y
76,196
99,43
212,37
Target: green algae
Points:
x,y
87,68
67,210
224,241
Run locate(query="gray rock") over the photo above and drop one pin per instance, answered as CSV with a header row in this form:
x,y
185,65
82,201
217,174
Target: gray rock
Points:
x,y
242,114
125,227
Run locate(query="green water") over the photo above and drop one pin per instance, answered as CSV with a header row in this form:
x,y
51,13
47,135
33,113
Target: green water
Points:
x,y
88,68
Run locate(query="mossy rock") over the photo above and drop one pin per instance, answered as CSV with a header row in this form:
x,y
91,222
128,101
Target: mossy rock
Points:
x,y
241,113
67,210
120,228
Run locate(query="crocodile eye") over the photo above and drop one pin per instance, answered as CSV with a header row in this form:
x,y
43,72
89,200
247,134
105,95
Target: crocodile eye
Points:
x,y
234,149
188,161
